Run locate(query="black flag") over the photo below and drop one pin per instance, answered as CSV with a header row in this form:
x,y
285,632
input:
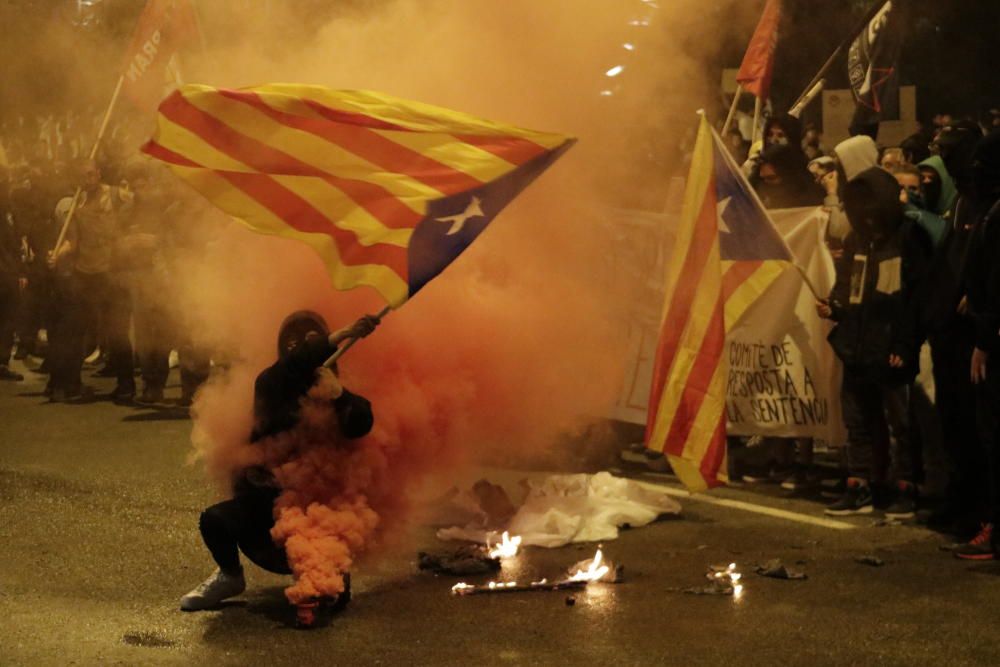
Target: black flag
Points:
x,y
872,66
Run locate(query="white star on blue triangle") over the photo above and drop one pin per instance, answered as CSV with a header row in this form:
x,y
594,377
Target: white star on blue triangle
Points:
x,y
745,232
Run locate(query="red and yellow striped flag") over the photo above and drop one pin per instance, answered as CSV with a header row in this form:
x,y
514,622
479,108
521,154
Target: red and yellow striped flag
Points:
x,y
387,191
727,253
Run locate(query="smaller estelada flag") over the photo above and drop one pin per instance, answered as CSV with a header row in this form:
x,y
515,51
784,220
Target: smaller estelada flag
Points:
x,y
164,27
758,63
726,254
872,66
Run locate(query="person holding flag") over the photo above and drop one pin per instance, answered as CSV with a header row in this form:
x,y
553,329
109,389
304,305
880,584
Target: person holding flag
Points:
x,y
388,192
244,522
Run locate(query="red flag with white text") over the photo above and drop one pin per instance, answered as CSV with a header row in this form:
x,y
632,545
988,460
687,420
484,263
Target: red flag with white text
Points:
x,y
164,27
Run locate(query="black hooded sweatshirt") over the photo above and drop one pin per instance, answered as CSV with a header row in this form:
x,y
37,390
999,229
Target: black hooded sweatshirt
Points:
x,y
880,278
797,187
277,395
981,278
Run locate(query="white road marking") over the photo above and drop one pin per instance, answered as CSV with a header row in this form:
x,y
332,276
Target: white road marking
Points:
x,y
748,507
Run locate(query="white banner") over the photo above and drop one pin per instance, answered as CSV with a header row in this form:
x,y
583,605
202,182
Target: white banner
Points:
x,y
783,377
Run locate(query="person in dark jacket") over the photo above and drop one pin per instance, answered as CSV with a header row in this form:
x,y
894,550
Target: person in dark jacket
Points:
x,y
784,180
877,336
981,280
244,522
12,281
780,130
951,333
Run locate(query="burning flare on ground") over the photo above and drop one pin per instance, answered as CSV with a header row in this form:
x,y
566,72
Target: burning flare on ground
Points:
x,y
594,572
728,577
507,547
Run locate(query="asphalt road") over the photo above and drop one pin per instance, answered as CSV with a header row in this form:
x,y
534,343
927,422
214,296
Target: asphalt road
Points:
x,y
98,516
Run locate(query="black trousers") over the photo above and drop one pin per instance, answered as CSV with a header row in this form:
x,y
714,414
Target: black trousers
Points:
x,y
988,411
956,402
36,307
873,413
9,297
243,524
117,303
153,339
74,315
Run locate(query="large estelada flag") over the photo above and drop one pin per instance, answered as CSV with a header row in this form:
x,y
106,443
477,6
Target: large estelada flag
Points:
x,y
727,252
872,66
758,62
164,27
387,191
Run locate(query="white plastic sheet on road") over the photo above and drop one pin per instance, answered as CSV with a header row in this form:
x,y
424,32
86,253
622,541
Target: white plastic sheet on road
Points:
x,y
562,509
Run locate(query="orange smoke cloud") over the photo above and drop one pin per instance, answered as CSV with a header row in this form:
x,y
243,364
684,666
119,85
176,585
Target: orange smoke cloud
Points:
x,y
518,342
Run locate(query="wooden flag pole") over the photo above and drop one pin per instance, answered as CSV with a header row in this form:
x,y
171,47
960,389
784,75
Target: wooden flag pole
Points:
x,y
732,109
93,154
807,99
756,120
329,363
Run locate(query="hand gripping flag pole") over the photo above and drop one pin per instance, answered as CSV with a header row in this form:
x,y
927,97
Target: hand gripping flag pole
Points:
x,y
388,192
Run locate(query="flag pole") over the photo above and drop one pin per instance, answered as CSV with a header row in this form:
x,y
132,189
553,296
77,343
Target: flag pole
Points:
x,y
329,363
805,101
732,109
801,100
756,120
93,154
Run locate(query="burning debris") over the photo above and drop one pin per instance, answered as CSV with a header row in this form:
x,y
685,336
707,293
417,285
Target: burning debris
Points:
x,y
507,547
597,569
463,588
723,580
588,571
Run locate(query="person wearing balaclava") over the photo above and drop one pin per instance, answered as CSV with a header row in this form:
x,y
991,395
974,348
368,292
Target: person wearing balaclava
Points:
x,y
874,303
244,522
951,332
784,181
981,280
780,130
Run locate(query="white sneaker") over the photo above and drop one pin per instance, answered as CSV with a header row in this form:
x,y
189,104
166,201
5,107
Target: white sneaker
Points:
x,y
214,590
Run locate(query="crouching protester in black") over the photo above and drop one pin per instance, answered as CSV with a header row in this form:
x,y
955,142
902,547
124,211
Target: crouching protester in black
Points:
x,y
244,522
875,303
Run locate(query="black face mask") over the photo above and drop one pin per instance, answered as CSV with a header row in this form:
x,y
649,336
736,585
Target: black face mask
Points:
x,y
932,190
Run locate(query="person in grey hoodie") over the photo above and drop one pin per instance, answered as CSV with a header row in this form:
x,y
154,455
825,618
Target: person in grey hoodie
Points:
x,y
853,156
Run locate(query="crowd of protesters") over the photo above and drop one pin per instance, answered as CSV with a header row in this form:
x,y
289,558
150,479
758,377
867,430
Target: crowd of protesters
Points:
x,y
914,231
102,287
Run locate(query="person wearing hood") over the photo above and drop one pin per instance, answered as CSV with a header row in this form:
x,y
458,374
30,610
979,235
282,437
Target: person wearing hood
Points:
x,y
940,192
981,279
784,180
877,335
780,130
853,156
244,522
921,201
951,332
